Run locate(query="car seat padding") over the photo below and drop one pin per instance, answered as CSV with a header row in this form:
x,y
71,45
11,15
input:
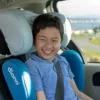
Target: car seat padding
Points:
x,y
18,80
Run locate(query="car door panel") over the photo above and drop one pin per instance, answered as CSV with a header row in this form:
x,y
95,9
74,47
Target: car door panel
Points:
x,y
92,80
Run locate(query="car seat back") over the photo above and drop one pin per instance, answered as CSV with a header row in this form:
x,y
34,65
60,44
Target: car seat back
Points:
x,y
15,80
77,67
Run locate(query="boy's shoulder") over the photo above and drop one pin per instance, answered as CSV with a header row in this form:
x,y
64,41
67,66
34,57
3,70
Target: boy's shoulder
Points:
x,y
61,58
31,60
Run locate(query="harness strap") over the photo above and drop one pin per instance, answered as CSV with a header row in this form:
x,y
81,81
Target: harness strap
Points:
x,y
59,95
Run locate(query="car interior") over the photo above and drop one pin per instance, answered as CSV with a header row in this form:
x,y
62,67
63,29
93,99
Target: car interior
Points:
x,y
16,17
19,41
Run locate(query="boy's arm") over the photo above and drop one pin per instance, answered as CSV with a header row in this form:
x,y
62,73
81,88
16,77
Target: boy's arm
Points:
x,y
81,95
40,95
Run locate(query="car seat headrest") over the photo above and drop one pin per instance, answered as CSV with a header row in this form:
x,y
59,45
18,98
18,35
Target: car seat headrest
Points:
x,y
67,28
15,31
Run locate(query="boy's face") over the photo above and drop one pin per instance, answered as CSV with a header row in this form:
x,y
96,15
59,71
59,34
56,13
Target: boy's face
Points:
x,y
47,43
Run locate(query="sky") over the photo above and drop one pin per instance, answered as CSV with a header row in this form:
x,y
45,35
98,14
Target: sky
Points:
x,y
74,8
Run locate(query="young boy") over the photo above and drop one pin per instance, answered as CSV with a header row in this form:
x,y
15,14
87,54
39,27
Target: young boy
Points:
x,y
47,38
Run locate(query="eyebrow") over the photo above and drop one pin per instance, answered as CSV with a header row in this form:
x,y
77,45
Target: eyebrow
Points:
x,y
52,38
42,36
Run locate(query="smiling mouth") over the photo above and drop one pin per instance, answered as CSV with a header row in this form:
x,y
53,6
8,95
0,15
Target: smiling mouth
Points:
x,y
47,51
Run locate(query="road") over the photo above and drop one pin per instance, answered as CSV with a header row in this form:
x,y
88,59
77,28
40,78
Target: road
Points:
x,y
84,43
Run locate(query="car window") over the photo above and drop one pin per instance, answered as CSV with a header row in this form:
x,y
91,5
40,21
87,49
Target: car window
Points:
x,y
84,17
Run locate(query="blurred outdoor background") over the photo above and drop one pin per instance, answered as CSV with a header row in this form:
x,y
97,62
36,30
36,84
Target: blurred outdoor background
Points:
x,y
84,17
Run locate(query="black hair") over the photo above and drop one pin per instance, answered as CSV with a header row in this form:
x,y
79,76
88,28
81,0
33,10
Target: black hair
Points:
x,y
47,20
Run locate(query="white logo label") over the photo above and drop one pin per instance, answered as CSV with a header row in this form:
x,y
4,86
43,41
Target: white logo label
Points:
x,y
10,70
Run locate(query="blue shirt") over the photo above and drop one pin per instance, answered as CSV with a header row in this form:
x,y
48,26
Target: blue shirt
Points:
x,y
44,76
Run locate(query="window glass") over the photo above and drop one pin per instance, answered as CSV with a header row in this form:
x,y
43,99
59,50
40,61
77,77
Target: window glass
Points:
x,y
84,17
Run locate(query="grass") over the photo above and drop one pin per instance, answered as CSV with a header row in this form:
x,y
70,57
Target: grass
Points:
x,y
90,53
95,41
81,35
92,56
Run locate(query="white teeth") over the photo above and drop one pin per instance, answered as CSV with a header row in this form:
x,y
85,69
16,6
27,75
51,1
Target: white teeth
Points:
x,y
47,51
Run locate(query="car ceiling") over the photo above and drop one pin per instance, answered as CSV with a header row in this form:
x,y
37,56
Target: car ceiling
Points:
x,y
4,4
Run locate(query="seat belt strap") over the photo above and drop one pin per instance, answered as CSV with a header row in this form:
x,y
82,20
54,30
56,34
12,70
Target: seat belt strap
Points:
x,y
59,95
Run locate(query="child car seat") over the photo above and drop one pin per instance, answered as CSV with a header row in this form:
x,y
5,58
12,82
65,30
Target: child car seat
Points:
x,y
15,41
17,38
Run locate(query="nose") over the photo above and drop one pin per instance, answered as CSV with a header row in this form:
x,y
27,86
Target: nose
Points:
x,y
48,44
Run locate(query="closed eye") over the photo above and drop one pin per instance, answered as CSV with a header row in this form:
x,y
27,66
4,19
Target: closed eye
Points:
x,y
42,38
55,40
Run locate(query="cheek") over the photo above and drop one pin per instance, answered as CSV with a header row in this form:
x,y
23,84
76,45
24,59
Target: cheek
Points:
x,y
39,44
57,46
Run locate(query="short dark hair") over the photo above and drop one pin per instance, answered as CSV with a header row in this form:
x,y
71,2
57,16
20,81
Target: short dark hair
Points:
x,y
47,20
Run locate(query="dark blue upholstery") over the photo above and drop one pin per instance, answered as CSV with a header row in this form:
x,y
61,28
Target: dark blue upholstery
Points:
x,y
77,67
